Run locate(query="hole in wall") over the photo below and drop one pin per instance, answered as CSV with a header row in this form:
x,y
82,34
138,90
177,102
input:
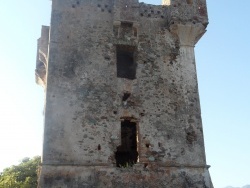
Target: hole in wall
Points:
x,y
126,154
142,114
125,96
99,147
147,145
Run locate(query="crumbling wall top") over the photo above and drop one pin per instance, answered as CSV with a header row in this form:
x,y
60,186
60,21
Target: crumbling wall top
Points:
x,y
42,56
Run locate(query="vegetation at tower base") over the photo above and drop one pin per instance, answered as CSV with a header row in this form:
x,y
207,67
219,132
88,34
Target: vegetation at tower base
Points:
x,y
23,175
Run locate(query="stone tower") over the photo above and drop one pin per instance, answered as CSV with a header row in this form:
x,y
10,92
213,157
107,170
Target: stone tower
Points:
x,y
122,106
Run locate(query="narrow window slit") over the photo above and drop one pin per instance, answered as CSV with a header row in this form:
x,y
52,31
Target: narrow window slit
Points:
x,y
99,147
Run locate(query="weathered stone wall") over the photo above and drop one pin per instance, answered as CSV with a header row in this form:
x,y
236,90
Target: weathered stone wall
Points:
x,y
42,56
85,99
92,177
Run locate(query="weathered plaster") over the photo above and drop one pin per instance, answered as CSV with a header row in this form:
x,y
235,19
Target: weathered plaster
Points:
x,y
85,101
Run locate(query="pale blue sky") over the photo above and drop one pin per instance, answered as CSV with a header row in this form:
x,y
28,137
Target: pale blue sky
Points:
x,y
223,65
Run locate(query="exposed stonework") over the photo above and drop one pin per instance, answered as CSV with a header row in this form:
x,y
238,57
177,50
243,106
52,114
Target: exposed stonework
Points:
x,y
42,56
122,103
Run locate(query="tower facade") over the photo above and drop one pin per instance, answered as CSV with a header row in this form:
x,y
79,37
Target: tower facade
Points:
x,y
122,106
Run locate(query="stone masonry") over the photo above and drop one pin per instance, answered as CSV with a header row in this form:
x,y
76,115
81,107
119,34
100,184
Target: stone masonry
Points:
x,y
122,107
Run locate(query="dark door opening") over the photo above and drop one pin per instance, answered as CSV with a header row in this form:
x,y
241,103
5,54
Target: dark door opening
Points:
x,y
127,154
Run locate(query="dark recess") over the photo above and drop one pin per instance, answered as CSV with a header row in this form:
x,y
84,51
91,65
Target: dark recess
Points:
x,y
125,96
127,154
126,66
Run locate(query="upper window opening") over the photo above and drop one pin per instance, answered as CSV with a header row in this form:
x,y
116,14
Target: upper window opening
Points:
x,y
189,2
126,66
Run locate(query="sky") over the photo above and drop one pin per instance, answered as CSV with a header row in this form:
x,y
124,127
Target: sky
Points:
x,y
223,67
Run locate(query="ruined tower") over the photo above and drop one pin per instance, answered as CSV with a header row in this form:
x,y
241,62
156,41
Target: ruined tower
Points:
x,y
122,106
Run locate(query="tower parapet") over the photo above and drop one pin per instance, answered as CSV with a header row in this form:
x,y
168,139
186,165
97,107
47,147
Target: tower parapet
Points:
x,y
187,11
195,11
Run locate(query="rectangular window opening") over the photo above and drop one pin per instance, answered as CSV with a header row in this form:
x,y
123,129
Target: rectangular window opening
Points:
x,y
126,66
127,154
